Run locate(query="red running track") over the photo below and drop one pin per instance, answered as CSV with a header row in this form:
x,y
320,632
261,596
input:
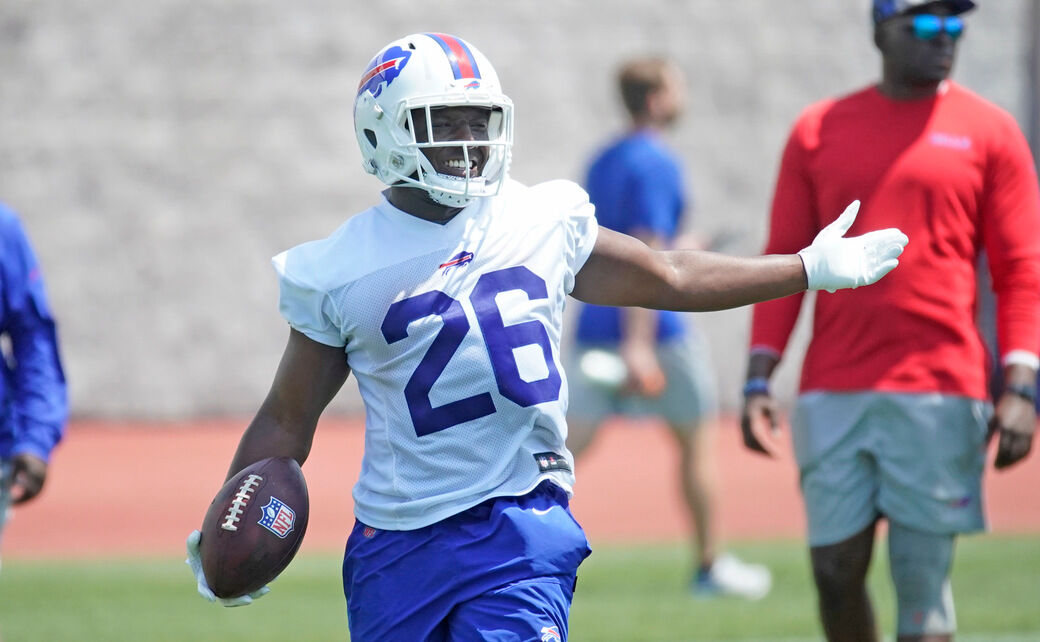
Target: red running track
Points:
x,y
138,489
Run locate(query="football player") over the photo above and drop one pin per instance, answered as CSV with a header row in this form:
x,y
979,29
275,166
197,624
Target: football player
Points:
x,y
445,299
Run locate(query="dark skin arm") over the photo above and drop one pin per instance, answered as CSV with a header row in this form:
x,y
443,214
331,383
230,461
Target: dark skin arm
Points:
x,y
760,418
308,377
1014,419
624,271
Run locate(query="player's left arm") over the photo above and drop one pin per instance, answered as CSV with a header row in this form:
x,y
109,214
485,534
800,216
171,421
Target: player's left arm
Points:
x,y
623,271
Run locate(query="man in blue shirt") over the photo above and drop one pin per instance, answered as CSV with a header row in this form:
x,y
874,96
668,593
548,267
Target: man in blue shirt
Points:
x,y
33,406
645,362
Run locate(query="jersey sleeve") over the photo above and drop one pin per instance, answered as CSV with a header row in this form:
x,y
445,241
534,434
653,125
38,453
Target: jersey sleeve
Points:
x,y
304,303
39,402
791,227
580,227
1011,233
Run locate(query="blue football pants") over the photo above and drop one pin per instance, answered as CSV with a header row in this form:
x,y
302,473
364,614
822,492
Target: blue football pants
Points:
x,y
502,570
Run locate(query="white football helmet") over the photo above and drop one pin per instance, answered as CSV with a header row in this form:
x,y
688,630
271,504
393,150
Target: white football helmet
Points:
x,y
427,71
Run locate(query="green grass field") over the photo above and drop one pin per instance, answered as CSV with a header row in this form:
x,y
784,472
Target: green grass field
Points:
x,y
624,594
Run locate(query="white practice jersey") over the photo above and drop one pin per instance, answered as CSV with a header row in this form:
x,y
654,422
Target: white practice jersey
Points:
x,y
453,332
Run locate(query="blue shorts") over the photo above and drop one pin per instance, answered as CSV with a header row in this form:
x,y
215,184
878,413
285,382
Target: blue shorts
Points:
x,y
502,570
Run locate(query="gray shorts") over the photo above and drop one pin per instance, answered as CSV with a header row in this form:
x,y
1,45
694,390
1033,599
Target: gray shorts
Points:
x,y
688,399
917,459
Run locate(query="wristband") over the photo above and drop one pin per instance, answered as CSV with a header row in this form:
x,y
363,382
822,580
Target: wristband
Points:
x,y
1025,391
756,386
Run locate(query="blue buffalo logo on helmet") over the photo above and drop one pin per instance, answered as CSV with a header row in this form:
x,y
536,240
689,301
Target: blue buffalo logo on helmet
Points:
x,y
383,69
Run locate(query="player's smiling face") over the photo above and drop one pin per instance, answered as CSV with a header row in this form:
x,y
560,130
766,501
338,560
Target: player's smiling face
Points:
x,y
463,124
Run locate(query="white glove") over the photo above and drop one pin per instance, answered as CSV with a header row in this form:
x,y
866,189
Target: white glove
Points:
x,y
195,562
834,262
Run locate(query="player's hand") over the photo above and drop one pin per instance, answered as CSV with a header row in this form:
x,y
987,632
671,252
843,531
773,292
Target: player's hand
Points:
x,y
195,562
1014,420
760,425
834,262
28,472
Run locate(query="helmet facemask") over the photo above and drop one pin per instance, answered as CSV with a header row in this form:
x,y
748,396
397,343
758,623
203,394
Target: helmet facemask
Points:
x,y
420,79
489,158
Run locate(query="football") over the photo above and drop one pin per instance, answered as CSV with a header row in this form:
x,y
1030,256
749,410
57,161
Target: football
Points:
x,y
254,527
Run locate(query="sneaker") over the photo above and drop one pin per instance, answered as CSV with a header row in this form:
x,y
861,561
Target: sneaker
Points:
x,y
729,575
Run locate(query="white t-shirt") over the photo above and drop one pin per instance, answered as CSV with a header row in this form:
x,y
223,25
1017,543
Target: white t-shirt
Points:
x,y
453,332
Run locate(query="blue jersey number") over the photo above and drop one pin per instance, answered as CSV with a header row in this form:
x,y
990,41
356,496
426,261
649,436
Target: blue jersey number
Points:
x,y
499,338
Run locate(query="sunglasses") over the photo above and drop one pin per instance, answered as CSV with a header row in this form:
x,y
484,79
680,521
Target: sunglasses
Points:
x,y
926,26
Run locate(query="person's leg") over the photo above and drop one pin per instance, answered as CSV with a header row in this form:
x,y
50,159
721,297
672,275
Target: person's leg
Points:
x,y
834,437
920,563
698,479
532,609
717,573
688,405
931,489
840,573
408,585
528,597
388,598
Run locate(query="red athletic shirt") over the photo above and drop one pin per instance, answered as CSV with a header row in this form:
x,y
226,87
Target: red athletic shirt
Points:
x,y
954,173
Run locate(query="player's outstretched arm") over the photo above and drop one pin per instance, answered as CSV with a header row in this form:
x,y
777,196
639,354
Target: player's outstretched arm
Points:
x,y
623,271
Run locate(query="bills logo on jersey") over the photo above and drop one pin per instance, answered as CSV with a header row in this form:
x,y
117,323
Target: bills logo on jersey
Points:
x,y
278,517
383,70
460,259
550,634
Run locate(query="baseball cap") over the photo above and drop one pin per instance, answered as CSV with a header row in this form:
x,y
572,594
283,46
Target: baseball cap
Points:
x,y
885,9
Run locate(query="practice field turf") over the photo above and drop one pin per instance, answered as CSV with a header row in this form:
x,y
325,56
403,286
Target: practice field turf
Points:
x,y
624,594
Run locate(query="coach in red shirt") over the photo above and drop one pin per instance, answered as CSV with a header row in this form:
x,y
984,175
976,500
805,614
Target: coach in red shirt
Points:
x,y
892,415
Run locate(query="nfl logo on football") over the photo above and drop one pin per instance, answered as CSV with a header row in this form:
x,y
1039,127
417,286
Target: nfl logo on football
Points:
x,y
278,517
